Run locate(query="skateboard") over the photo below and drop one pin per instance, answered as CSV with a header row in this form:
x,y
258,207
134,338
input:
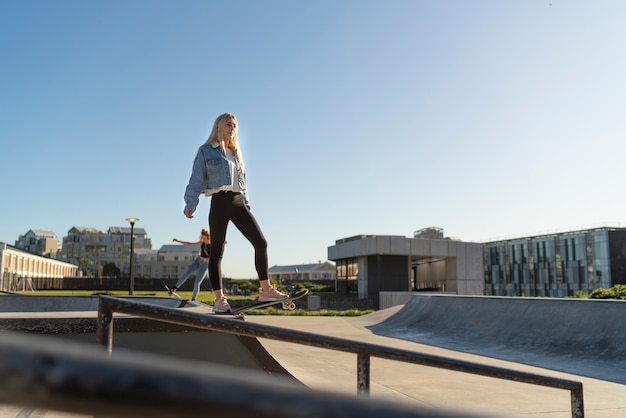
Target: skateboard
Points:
x,y
288,304
172,292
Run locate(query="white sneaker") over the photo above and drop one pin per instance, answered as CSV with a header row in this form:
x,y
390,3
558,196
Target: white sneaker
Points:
x,y
221,305
271,294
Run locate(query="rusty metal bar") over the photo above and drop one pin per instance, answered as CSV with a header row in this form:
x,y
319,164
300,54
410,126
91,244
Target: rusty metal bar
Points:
x,y
363,374
104,325
232,326
578,407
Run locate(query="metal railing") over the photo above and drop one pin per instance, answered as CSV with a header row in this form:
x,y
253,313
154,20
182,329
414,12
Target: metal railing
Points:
x,y
109,305
39,374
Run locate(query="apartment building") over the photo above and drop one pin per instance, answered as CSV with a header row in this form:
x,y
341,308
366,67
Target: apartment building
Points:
x,y
37,241
91,248
168,262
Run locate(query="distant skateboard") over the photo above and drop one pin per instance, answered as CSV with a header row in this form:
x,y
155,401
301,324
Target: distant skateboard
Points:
x,y
288,304
172,292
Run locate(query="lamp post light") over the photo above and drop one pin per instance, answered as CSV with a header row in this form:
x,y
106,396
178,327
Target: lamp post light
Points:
x,y
131,284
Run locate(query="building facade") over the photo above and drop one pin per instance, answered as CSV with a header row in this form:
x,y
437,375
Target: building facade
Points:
x,y
91,248
304,273
556,265
40,242
370,264
168,262
18,267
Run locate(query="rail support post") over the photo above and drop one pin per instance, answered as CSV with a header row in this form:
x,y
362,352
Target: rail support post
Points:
x,y
578,409
363,374
104,325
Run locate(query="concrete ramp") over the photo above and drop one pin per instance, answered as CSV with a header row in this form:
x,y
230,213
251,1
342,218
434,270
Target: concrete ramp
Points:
x,y
578,336
74,318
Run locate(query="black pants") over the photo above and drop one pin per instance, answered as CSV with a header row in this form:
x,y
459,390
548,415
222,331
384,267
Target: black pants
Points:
x,y
226,207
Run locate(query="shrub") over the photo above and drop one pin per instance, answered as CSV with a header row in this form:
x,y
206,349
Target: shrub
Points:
x,y
616,292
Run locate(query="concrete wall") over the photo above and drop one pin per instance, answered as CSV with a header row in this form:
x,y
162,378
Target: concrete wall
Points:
x,y
390,299
385,262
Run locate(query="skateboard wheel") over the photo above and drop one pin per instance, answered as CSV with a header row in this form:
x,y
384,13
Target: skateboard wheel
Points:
x,y
292,306
285,305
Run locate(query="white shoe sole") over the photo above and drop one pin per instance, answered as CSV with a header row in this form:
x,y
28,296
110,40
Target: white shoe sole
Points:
x,y
273,299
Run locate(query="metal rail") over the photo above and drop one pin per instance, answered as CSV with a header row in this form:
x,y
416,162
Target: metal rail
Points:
x,y
54,374
108,305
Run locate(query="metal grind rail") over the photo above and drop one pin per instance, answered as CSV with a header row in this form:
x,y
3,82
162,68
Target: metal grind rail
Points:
x,y
108,305
42,374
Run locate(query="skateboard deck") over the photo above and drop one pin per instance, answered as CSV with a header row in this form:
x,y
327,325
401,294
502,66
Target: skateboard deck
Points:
x,y
288,304
172,292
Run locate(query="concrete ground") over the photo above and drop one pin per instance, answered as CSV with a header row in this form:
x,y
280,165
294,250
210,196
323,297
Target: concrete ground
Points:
x,y
418,385
325,369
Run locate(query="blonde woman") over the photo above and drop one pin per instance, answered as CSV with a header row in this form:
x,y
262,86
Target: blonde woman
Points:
x,y
218,171
199,265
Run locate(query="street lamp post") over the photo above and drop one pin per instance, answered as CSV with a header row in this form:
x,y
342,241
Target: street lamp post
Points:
x,y
131,284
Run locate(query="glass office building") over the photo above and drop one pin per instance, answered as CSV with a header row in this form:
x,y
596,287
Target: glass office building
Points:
x,y
556,265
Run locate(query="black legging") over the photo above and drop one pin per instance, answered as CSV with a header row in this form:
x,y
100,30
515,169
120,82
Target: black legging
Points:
x,y
230,206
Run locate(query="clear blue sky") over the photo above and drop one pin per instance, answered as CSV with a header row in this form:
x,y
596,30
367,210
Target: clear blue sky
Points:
x,y
486,118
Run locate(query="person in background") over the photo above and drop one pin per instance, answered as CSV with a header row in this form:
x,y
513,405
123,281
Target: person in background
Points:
x,y
218,171
199,265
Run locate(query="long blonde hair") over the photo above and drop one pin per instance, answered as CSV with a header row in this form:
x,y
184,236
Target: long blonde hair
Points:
x,y
217,133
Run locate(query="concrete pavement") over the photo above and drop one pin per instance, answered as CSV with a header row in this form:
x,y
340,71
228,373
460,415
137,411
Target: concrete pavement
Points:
x,y
407,383
402,382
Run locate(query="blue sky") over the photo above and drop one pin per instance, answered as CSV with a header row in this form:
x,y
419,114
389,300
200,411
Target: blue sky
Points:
x,y
486,118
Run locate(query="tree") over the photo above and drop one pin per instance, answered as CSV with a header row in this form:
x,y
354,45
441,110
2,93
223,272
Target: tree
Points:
x,y
110,269
83,262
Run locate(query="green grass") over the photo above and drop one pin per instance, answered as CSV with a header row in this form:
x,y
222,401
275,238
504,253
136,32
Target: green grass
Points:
x,y
302,312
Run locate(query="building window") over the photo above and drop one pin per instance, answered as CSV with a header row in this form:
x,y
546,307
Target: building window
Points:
x,y
347,275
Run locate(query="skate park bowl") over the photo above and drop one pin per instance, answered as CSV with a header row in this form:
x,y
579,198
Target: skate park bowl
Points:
x,y
584,337
128,314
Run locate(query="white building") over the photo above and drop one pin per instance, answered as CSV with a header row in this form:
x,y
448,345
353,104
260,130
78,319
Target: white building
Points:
x,y
303,272
19,267
169,262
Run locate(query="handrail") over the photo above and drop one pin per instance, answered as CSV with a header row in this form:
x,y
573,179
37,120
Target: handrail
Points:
x,y
54,374
108,305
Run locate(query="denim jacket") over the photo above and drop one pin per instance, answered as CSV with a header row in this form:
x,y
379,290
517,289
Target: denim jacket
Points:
x,y
211,174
